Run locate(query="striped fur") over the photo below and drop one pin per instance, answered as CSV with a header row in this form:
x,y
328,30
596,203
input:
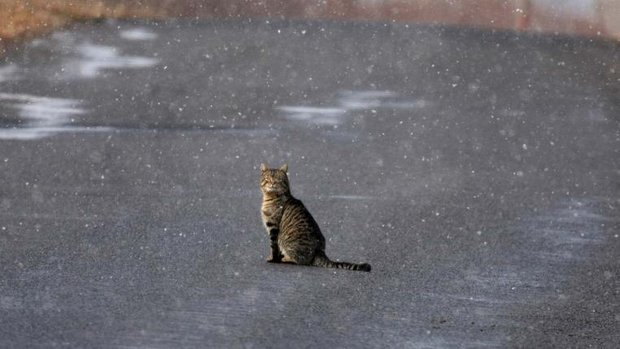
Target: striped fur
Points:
x,y
295,236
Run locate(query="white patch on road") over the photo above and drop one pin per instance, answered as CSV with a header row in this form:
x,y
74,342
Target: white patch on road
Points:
x,y
359,100
347,102
95,58
137,34
44,111
315,115
42,116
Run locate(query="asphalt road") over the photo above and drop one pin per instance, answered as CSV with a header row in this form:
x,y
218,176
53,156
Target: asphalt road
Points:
x,y
477,172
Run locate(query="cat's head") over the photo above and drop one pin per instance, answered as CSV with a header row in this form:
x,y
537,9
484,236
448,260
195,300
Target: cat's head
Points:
x,y
274,180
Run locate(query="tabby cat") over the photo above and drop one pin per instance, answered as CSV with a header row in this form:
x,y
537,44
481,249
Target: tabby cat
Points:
x,y
295,236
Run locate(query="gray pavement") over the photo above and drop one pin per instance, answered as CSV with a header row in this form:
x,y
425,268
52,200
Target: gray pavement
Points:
x,y
478,173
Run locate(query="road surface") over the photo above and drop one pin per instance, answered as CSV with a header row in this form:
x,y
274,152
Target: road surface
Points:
x,y
478,172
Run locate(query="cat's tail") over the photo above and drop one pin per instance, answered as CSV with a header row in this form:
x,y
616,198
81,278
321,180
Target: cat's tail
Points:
x,y
321,260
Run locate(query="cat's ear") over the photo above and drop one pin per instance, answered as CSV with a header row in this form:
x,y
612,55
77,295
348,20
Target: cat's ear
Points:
x,y
263,167
284,168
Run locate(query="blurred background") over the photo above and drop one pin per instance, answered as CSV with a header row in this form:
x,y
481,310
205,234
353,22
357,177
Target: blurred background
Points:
x,y
592,18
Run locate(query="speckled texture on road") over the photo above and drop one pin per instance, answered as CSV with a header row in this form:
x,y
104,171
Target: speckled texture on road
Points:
x,y
477,172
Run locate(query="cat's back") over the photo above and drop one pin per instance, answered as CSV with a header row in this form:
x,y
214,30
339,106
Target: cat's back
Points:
x,y
296,218
296,212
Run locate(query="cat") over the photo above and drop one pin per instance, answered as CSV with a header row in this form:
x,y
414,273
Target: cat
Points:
x,y
295,236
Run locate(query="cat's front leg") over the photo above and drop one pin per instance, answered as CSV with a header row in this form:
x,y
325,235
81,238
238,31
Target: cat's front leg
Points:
x,y
276,256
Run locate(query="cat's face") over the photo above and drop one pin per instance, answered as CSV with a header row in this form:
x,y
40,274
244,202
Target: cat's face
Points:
x,y
274,181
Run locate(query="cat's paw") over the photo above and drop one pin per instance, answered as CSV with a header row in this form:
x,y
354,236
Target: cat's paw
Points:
x,y
274,260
